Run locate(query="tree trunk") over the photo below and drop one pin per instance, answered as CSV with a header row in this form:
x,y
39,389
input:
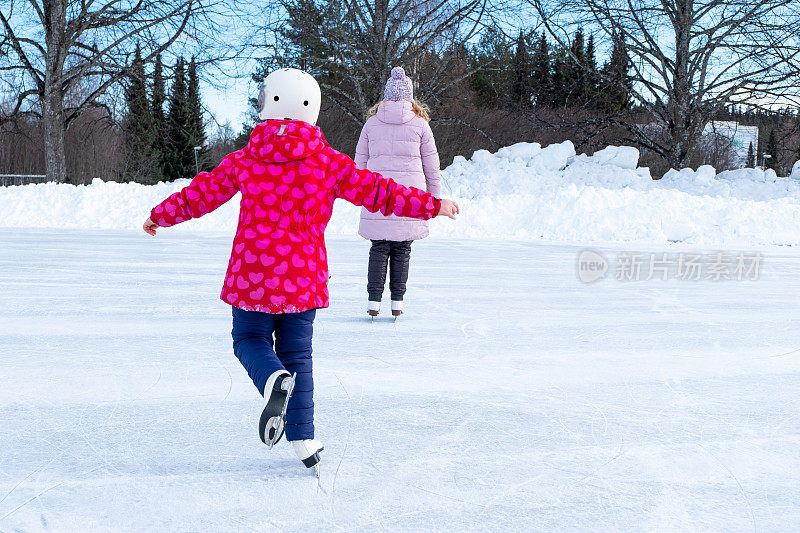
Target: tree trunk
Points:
x,y
53,117
53,100
683,130
681,123
679,151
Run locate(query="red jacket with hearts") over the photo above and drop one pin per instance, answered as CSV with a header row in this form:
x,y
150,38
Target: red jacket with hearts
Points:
x,y
289,177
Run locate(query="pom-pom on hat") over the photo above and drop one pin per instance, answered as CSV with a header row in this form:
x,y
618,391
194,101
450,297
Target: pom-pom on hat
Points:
x,y
398,86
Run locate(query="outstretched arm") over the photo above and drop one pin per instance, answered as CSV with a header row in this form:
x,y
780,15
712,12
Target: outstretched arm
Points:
x,y
380,194
206,192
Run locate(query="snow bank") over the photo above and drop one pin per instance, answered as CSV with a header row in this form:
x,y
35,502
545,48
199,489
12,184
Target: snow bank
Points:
x,y
795,171
524,191
529,192
744,183
620,156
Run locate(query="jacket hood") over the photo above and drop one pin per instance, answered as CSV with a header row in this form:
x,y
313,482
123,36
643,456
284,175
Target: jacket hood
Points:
x,y
395,112
279,141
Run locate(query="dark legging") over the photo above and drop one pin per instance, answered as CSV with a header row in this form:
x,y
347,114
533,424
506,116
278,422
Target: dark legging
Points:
x,y
397,254
260,355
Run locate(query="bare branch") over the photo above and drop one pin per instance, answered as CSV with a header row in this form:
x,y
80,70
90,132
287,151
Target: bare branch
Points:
x,y
691,58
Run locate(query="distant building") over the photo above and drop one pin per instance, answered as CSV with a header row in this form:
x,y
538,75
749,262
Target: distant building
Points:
x,y
739,136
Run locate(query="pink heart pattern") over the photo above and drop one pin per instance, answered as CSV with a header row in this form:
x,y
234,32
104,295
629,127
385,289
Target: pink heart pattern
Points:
x,y
289,182
257,294
281,269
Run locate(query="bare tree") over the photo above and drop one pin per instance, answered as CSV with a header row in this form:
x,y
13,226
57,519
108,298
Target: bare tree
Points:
x,y
690,59
350,45
52,46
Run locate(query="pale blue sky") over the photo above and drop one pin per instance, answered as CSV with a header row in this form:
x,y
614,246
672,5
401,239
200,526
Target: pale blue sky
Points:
x,y
230,103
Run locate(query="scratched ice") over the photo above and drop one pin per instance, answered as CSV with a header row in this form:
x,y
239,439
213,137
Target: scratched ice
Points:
x,y
509,396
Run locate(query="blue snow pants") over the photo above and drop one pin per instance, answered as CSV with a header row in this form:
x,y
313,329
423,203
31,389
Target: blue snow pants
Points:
x,y
261,354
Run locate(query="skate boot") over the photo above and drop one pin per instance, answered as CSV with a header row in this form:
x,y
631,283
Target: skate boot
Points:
x,y
308,452
373,308
397,308
277,392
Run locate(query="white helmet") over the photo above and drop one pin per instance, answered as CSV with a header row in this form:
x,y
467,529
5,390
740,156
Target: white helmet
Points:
x,y
289,94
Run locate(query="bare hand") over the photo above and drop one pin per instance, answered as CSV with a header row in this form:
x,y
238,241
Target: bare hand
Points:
x,y
449,209
150,227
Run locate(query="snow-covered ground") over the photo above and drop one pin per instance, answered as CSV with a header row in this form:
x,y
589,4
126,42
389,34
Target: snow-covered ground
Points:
x,y
511,396
521,192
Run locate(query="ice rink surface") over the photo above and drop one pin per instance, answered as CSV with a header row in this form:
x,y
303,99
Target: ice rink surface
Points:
x,y
509,396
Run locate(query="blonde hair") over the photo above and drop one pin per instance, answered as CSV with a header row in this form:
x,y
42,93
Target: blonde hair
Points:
x,y
420,109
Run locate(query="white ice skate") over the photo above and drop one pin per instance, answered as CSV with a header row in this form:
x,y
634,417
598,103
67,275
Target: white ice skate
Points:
x,y
373,308
308,452
397,308
277,392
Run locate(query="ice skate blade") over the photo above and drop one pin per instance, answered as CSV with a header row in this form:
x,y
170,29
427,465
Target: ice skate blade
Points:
x,y
289,390
271,429
316,470
275,426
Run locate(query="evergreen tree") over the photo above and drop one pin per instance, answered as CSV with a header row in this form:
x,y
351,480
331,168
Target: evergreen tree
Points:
x,y
491,83
772,149
560,79
159,120
615,85
751,157
179,161
140,157
521,86
311,36
309,48
540,73
196,129
575,74
590,90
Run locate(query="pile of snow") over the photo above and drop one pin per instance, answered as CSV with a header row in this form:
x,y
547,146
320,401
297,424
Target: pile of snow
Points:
x,y
524,192
744,183
529,192
795,171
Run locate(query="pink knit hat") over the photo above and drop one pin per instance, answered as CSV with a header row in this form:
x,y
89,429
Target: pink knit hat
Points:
x,y
398,86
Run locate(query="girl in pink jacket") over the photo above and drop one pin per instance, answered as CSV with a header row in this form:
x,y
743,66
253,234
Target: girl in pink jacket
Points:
x,y
288,177
396,141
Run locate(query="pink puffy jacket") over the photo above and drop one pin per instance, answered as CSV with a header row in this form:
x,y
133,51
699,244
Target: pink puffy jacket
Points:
x,y
288,176
398,144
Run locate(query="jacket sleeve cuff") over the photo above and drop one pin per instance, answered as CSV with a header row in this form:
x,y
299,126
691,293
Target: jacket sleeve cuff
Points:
x,y
437,206
157,215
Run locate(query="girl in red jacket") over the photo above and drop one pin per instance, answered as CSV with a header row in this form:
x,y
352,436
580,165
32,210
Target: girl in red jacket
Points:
x,y
277,275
